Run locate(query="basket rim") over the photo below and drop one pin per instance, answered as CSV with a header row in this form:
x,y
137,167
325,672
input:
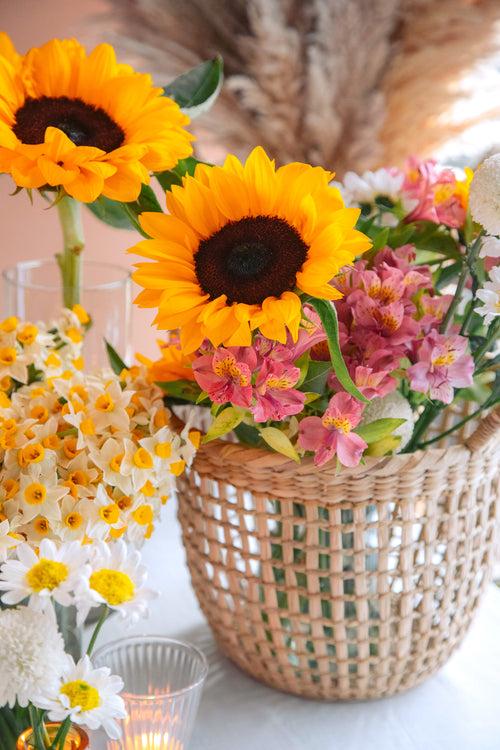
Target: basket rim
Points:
x,y
243,456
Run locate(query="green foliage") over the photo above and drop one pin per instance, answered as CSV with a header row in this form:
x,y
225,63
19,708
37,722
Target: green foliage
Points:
x,y
378,429
115,361
182,390
317,374
224,422
328,316
279,442
196,90
174,176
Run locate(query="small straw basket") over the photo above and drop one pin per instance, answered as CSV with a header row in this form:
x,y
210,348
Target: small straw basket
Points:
x,y
342,586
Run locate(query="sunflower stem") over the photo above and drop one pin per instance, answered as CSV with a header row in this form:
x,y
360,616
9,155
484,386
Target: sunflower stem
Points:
x,y
70,260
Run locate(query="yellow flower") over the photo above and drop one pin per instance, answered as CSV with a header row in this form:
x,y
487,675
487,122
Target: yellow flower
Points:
x,y
240,244
173,364
84,122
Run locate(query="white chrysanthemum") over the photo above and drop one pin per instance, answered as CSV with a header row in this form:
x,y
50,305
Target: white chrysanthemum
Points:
x,y
368,186
490,296
32,654
117,579
8,541
490,247
484,196
53,573
393,406
88,696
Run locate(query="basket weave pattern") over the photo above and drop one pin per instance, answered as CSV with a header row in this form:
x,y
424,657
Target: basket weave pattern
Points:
x,y
348,586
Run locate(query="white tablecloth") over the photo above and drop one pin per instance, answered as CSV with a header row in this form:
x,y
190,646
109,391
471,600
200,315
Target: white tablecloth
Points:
x,y
457,709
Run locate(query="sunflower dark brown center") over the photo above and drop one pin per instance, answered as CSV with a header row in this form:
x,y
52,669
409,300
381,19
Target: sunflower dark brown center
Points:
x,y
83,123
250,259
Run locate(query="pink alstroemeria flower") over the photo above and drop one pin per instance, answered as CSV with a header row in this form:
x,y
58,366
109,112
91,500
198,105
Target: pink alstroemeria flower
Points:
x,y
332,434
226,375
276,398
443,364
441,198
433,309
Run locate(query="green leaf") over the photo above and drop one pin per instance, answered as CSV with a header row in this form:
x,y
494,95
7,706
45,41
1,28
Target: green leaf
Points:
x,y
247,434
380,239
223,423
328,316
279,442
110,212
115,361
174,176
196,90
186,390
384,446
378,429
316,377
400,235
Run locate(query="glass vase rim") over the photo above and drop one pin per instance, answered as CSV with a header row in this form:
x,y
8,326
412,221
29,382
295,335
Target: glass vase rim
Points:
x,y
27,733
9,277
129,640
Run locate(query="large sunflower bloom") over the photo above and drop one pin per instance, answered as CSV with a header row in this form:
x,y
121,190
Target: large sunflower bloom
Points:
x,y
240,244
84,122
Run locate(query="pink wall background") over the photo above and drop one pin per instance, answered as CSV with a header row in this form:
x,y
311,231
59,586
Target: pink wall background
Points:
x,y
32,232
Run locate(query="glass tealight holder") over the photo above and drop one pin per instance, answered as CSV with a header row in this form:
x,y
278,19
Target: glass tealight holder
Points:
x,y
163,680
76,739
32,290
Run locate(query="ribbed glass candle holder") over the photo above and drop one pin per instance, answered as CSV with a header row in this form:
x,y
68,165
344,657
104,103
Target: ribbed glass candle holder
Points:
x,y
163,684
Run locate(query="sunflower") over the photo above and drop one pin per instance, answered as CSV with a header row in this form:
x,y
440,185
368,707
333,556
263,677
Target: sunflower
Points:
x,y
240,244
84,122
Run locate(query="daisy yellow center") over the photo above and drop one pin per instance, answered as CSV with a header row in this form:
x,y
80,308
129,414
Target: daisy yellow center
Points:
x,y
340,423
35,493
104,403
444,360
143,459
114,586
81,694
227,368
46,574
250,259
83,123
8,355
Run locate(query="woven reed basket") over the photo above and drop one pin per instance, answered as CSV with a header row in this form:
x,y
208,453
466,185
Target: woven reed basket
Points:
x,y
348,586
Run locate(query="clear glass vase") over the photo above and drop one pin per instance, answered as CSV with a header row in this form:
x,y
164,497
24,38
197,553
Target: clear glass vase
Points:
x,y
163,681
32,290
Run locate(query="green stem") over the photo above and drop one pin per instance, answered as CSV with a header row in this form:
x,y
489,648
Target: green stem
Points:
x,y
493,332
456,426
468,262
97,630
38,732
422,424
70,260
61,735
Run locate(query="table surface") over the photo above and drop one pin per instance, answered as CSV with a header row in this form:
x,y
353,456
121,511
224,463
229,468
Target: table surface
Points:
x,y
457,709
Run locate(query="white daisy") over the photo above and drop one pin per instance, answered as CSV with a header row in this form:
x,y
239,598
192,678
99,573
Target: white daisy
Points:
x,y
490,296
484,196
490,247
8,540
366,187
90,697
31,654
116,579
53,573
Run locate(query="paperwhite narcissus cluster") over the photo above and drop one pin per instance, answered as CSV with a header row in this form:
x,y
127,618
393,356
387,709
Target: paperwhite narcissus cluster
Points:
x,y
86,457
